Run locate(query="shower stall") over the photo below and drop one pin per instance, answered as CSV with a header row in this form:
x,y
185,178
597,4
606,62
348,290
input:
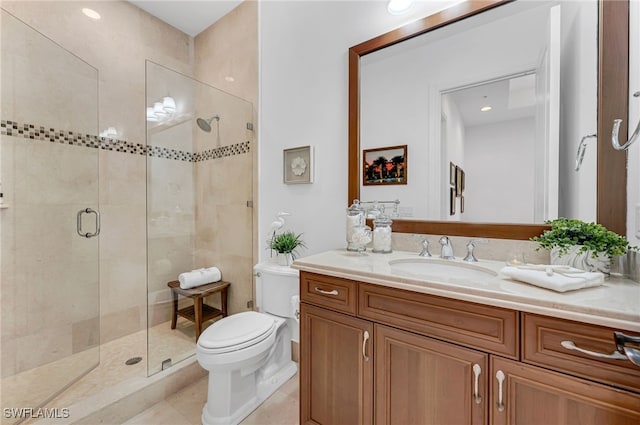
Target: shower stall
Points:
x,y
94,225
49,241
199,197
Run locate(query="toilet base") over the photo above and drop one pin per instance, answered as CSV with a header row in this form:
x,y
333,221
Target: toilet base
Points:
x,y
264,390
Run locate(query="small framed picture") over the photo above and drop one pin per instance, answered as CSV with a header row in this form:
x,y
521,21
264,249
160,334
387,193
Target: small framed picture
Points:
x,y
452,200
383,166
452,174
298,165
459,181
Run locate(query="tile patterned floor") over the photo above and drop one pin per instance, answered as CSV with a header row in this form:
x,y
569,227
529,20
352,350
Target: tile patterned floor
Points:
x,y
185,407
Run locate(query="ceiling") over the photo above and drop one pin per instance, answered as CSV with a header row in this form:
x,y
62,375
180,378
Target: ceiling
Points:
x,y
189,16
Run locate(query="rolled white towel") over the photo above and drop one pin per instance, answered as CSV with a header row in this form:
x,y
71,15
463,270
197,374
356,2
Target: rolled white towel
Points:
x,y
556,278
199,277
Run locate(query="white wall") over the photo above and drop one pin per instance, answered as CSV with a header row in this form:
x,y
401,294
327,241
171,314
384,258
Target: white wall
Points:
x,y
303,101
499,172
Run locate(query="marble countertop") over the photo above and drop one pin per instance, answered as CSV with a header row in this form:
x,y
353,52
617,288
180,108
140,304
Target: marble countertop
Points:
x,y
615,304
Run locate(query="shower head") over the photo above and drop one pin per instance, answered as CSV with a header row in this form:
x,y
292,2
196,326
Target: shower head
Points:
x,y
205,124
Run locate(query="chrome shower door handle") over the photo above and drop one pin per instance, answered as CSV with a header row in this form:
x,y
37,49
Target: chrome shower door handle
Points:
x,y
79,223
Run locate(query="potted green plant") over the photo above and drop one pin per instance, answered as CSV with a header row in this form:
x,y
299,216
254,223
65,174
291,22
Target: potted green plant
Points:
x,y
587,246
287,243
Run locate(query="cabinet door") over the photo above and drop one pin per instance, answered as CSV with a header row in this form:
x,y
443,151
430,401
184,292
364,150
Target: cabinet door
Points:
x,y
522,394
423,381
336,368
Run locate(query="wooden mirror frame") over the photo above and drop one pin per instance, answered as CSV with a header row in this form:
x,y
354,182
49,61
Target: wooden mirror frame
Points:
x,y
613,89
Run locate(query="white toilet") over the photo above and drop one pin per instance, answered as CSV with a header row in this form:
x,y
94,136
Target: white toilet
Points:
x,y
248,355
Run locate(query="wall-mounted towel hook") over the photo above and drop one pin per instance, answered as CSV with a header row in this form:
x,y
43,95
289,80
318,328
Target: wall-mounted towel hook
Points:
x,y
582,148
616,128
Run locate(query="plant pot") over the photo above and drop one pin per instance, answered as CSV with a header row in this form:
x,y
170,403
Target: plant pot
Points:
x,y
582,260
285,258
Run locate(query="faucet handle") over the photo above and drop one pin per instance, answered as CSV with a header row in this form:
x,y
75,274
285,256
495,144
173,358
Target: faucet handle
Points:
x,y
447,249
470,246
425,248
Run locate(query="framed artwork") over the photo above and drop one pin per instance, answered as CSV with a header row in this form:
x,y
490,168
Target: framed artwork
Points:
x,y
298,165
383,166
452,173
459,181
452,200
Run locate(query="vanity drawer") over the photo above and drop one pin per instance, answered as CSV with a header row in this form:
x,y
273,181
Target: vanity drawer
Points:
x,y
542,346
487,328
326,291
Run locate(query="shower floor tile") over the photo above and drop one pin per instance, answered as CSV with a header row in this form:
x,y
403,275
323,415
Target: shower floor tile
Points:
x,y
185,407
37,384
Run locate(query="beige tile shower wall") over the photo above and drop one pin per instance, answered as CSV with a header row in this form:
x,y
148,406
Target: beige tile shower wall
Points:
x,y
225,227
224,224
229,48
117,45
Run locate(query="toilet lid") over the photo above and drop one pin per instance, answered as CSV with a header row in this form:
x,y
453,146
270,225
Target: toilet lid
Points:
x,y
237,331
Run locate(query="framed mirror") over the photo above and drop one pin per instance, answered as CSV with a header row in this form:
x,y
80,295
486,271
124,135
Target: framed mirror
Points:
x,y
413,86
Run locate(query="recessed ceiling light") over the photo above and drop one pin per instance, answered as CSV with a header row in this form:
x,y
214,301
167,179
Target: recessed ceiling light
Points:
x,y
91,13
229,78
398,7
485,108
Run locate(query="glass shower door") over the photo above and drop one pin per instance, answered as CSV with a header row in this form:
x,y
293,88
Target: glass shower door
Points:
x,y
48,220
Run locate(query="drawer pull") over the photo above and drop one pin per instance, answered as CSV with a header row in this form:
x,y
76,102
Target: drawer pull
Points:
x,y
477,370
500,377
364,346
570,345
323,292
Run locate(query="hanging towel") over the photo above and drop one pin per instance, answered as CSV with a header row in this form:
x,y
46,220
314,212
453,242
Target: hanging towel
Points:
x,y
556,278
199,277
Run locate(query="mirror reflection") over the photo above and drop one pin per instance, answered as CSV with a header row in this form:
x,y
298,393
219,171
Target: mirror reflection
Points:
x,y
501,99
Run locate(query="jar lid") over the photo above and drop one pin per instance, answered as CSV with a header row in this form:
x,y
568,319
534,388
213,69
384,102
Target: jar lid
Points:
x,y
355,208
382,220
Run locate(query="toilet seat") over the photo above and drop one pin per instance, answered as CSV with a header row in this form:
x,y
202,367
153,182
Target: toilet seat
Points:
x,y
236,332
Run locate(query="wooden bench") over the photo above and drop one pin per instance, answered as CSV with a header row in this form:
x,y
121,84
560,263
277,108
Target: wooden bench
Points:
x,y
198,312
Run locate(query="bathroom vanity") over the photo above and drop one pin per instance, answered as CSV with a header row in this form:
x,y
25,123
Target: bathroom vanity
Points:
x,y
385,344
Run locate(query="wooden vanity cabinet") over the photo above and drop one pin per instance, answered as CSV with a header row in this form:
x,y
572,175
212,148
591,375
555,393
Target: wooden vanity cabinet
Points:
x,y
420,380
532,395
399,357
336,372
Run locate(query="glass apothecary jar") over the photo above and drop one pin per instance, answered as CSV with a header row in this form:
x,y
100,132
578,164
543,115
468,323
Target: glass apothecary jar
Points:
x,y
360,238
355,217
382,234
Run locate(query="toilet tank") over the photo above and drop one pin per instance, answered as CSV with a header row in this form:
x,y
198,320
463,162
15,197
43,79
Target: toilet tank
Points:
x,y
275,287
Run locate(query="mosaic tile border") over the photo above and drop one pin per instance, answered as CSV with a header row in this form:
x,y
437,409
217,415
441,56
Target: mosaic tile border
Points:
x,y
33,132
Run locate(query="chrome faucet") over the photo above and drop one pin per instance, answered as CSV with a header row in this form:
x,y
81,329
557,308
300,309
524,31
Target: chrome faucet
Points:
x,y
447,249
425,248
470,246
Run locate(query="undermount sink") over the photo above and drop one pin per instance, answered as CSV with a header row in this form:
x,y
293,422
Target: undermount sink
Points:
x,y
441,268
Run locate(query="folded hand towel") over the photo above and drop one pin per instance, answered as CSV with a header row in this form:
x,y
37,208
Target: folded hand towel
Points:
x,y
199,277
556,278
